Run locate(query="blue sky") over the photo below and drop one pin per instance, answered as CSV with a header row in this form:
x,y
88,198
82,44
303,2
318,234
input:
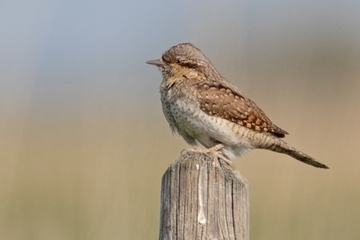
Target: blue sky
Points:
x,y
54,51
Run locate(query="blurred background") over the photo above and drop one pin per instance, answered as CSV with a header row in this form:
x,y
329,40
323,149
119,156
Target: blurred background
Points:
x,y
84,143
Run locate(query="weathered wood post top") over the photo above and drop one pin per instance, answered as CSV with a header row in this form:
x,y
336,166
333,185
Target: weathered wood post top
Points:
x,y
202,197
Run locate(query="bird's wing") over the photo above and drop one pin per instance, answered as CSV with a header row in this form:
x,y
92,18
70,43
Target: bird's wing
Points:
x,y
224,100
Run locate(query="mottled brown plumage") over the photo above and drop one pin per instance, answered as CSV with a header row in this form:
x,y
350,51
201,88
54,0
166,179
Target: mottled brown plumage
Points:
x,y
204,107
220,101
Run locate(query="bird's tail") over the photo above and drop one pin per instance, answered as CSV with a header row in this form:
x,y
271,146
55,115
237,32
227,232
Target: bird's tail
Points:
x,y
278,145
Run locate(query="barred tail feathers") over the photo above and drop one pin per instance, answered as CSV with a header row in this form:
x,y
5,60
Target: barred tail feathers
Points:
x,y
277,145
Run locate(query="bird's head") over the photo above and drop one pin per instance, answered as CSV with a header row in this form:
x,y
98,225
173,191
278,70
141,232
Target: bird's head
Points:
x,y
183,61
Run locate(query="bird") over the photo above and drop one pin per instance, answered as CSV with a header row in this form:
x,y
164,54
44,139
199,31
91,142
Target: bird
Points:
x,y
203,107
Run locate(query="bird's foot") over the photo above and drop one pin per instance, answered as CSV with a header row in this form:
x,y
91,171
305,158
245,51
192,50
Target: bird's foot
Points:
x,y
215,151
220,155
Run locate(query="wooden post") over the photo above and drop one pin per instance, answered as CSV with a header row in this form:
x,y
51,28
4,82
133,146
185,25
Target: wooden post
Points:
x,y
203,197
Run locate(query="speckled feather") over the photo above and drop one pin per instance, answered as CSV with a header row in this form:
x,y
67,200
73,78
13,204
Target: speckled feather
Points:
x,y
220,101
217,96
202,106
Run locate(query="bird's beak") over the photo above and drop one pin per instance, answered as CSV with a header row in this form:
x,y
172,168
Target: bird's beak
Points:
x,y
156,62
